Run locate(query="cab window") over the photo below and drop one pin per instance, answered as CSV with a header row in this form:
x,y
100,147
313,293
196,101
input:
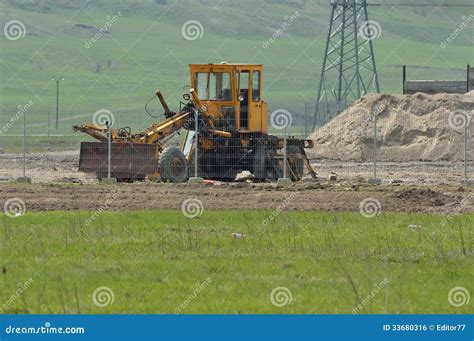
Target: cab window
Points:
x,y
214,86
256,86
200,84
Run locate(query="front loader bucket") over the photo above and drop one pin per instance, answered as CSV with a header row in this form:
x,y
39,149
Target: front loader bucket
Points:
x,y
129,161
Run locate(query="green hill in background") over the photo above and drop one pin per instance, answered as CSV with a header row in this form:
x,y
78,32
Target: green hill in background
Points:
x,y
141,47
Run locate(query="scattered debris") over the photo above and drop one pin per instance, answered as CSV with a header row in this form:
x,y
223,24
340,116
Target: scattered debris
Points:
x,y
245,176
236,235
71,180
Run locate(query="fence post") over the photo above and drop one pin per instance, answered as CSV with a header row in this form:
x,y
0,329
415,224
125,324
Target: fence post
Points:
x,y
374,180
467,77
196,134
305,113
285,160
24,178
404,78
109,155
195,178
109,150
285,178
466,180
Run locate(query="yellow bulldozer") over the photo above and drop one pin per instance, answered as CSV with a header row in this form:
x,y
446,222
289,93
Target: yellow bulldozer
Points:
x,y
232,125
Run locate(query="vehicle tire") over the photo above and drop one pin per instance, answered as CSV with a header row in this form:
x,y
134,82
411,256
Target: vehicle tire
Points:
x,y
173,165
213,168
296,162
263,164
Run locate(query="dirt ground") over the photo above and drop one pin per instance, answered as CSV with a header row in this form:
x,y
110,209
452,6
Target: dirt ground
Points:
x,y
407,187
62,167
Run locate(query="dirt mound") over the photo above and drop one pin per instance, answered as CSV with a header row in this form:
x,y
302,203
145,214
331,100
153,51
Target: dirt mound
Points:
x,y
426,196
410,128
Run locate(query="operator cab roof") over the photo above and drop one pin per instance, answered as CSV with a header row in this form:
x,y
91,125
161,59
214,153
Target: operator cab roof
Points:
x,y
225,63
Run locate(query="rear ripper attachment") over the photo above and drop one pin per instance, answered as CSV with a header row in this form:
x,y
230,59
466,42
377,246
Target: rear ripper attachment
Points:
x,y
232,126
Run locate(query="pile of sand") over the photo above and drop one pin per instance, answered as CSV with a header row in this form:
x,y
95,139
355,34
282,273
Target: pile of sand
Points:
x,y
410,127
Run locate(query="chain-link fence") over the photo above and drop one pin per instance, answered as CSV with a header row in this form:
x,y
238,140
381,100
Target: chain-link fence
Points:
x,y
44,147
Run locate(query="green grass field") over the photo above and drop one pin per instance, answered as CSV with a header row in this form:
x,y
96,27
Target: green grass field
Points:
x,y
163,262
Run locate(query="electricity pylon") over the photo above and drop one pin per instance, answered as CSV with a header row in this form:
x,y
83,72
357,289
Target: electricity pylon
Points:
x,y
349,70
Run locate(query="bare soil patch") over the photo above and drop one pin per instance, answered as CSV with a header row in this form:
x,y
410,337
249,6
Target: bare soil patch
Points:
x,y
333,197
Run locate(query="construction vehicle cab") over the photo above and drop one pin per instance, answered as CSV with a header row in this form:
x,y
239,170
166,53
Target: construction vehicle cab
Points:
x,y
226,99
233,94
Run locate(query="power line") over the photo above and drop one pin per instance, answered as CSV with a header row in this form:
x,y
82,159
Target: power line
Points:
x,y
422,5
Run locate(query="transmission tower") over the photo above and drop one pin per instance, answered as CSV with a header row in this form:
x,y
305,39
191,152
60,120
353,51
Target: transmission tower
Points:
x,y
349,70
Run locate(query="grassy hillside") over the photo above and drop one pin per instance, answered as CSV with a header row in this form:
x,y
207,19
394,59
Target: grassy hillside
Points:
x,y
144,48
